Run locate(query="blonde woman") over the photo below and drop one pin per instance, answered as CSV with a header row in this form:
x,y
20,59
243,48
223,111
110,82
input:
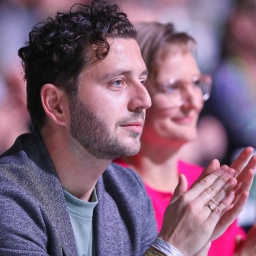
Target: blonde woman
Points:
x,y
178,91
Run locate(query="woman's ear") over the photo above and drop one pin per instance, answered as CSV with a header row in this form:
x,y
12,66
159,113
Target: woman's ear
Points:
x,y
54,103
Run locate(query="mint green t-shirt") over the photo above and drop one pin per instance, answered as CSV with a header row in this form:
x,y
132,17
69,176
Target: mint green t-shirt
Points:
x,y
81,216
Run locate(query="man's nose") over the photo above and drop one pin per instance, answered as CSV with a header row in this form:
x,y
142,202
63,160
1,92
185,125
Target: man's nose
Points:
x,y
140,98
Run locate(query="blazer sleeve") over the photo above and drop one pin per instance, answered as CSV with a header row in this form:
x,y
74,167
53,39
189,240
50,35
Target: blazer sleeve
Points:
x,y
22,229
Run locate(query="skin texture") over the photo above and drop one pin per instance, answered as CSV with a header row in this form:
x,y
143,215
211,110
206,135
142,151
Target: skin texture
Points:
x,y
115,106
114,91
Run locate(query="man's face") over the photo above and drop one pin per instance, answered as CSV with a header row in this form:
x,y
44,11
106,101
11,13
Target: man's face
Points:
x,y
107,116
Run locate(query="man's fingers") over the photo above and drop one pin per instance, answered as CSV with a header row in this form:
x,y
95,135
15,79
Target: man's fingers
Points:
x,y
241,160
181,188
223,205
247,180
214,165
219,190
244,183
252,163
222,195
229,216
210,185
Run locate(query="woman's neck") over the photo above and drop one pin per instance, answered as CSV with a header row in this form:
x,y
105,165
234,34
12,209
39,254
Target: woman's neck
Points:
x,y
158,167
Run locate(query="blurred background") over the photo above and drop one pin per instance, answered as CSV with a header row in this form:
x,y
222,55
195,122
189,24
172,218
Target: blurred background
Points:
x,y
226,36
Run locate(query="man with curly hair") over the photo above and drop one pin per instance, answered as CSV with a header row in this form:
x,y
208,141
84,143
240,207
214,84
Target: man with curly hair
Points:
x,y
59,192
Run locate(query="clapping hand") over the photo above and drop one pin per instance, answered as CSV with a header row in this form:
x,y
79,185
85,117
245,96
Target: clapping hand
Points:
x,y
199,215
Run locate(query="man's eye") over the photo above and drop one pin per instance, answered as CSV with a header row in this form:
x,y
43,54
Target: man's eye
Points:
x,y
118,83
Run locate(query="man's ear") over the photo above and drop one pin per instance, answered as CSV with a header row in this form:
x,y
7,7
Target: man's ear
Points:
x,y
54,102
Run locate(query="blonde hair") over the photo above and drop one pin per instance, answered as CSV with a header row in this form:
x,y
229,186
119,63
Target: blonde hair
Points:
x,y
155,39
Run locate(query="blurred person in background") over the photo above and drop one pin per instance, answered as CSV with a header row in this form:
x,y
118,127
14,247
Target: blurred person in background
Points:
x,y
16,20
233,98
197,17
178,91
14,116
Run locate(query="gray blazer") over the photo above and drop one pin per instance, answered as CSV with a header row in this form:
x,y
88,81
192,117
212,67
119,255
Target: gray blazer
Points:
x,y
33,215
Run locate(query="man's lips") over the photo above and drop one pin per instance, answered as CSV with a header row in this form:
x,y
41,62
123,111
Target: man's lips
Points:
x,y
134,126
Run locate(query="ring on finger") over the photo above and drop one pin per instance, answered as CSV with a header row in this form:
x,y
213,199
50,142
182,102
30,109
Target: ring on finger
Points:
x,y
210,207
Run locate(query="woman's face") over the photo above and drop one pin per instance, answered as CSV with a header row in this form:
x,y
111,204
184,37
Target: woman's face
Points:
x,y
169,121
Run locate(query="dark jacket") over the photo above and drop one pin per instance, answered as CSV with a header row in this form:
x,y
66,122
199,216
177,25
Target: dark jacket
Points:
x,y
33,215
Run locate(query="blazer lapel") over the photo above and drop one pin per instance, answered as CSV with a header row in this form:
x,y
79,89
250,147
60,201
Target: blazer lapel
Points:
x,y
51,194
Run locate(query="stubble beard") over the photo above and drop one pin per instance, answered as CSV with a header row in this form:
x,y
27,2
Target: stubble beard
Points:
x,y
93,134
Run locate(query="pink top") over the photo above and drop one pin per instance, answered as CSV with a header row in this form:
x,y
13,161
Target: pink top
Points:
x,y
224,245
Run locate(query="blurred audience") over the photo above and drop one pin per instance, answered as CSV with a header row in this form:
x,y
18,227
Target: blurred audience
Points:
x,y
200,18
13,112
233,98
16,19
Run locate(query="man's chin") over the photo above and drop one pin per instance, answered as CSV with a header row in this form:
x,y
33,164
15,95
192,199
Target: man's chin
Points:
x,y
131,150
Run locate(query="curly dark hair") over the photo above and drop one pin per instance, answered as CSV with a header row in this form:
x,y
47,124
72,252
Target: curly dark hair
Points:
x,y
59,48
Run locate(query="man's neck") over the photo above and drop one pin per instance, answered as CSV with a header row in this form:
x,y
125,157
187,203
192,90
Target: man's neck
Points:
x,y
76,168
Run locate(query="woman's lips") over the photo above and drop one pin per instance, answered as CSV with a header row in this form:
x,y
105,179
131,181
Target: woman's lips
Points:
x,y
183,120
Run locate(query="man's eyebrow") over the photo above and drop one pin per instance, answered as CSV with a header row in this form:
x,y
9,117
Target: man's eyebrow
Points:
x,y
119,72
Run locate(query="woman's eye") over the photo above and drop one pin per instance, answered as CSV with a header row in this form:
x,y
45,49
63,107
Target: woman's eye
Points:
x,y
197,82
143,82
177,85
